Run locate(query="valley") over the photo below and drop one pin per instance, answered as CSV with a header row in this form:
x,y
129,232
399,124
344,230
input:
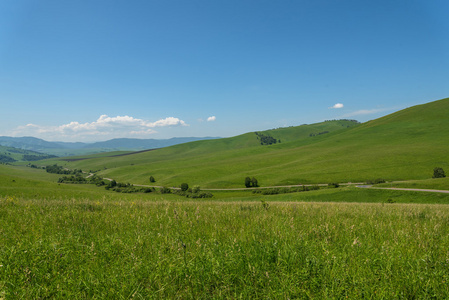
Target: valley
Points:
x,y
306,230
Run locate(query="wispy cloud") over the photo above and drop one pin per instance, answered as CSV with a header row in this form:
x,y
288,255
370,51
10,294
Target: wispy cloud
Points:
x,y
363,112
337,105
211,119
103,127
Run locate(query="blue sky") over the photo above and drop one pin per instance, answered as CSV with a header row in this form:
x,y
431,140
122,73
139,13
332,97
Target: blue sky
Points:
x,y
95,70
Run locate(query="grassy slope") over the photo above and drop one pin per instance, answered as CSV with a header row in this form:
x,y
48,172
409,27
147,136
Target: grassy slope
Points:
x,y
74,152
405,145
433,183
217,161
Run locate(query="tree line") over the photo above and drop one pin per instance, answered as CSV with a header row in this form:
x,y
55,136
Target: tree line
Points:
x,y
55,169
266,139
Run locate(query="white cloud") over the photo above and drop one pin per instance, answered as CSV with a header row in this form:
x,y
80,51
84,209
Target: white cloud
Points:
x,y
170,121
211,119
104,126
337,105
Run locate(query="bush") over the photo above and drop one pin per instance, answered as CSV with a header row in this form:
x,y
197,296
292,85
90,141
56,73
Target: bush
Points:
x,y
376,181
190,194
285,190
184,187
165,190
379,180
200,195
152,179
438,173
72,179
112,183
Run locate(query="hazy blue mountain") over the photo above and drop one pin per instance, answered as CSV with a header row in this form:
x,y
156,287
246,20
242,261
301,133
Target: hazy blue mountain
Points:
x,y
27,143
72,145
141,144
78,148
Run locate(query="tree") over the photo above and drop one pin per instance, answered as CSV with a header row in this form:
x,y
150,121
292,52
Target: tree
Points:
x,y
248,182
438,173
152,179
254,182
184,187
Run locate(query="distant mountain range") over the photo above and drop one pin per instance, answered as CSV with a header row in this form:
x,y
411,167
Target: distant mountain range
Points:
x,y
78,148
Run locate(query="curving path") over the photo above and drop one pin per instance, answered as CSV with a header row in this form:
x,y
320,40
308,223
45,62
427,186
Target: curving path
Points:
x,y
358,185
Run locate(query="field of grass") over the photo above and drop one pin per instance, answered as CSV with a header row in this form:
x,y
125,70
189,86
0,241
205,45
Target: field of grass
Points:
x,y
82,248
29,183
433,183
405,145
82,241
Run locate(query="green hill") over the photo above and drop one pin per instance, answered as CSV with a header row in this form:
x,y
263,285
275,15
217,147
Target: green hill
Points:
x,y
404,145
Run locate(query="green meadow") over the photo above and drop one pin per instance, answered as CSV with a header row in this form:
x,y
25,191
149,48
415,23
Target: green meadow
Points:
x,y
167,248
433,183
82,241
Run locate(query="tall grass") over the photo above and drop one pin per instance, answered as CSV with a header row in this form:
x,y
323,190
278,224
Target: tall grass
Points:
x,y
165,249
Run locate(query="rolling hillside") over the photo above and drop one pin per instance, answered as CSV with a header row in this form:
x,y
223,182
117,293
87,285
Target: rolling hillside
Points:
x,y
11,155
407,144
78,148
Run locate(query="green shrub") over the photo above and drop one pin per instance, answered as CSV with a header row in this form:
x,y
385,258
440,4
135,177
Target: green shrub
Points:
x,y
438,173
376,181
196,189
165,190
248,182
184,187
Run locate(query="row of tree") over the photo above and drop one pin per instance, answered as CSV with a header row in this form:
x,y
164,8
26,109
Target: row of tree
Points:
x,y
61,170
6,159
